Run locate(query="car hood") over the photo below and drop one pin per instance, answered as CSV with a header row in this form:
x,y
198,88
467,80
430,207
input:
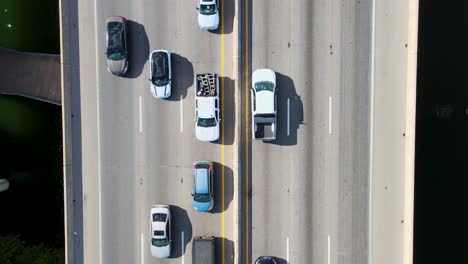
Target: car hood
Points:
x,y
202,207
262,75
208,22
161,252
117,67
161,91
207,133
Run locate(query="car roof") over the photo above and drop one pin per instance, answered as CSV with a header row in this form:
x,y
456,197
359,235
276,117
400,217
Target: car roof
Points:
x,y
206,107
160,65
201,180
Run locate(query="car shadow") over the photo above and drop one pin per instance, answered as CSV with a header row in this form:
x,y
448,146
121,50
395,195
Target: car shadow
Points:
x,y
228,111
287,92
138,49
182,77
181,227
218,188
280,261
228,250
227,11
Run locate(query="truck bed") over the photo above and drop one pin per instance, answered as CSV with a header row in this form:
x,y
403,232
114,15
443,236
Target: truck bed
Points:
x,y
206,84
203,250
264,125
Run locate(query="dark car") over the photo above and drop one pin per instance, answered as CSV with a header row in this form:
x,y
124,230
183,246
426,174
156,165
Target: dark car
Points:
x,y
116,45
265,260
160,73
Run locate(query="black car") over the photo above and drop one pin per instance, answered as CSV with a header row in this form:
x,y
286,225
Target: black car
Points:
x,y
265,260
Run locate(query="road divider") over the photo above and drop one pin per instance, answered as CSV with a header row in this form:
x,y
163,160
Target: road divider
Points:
x,y
142,249
329,115
181,114
288,115
140,114
182,246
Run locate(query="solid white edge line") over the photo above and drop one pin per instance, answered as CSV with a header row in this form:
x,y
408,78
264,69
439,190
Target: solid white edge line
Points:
x,y
288,117
328,249
140,113
182,246
181,114
371,127
98,131
142,239
287,250
329,115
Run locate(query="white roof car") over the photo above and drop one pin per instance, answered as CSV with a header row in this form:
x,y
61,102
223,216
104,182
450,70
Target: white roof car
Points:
x,y
207,118
264,84
208,14
160,231
160,74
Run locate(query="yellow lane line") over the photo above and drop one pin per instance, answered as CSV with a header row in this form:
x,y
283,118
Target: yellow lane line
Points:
x,y
246,131
222,131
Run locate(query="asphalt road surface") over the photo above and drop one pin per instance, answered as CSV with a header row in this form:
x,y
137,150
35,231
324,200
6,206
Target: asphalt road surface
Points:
x,y
305,197
138,149
306,193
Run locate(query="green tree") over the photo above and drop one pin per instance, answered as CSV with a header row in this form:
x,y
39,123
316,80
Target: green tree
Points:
x,y
15,251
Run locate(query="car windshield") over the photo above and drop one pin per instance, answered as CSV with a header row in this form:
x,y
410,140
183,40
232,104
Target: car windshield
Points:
x,y
160,69
115,49
202,197
206,122
160,242
159,217
264,86
208,9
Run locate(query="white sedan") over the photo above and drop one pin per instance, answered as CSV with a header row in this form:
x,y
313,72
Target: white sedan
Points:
x,y
160,231
208,14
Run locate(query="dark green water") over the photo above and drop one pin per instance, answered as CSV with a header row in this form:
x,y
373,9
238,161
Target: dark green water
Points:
x,y
441,175
31,158
30,25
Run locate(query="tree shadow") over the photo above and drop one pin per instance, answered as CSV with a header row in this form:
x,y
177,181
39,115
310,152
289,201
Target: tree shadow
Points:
x,y
228,187
182,77
228,117
287,91
228,250
138,49
227,10
180,223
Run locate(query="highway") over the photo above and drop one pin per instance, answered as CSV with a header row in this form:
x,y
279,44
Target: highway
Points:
x,y
345,130
139,150
309,188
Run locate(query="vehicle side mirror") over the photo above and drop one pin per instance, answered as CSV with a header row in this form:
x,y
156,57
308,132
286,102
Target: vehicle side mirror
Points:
x,y
197,8
192,194
149,80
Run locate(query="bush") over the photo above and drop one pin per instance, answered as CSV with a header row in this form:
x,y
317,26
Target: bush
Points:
x,y
15,251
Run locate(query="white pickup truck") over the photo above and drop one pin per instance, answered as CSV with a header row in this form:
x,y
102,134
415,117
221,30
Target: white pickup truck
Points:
x,y
263,103
207,119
